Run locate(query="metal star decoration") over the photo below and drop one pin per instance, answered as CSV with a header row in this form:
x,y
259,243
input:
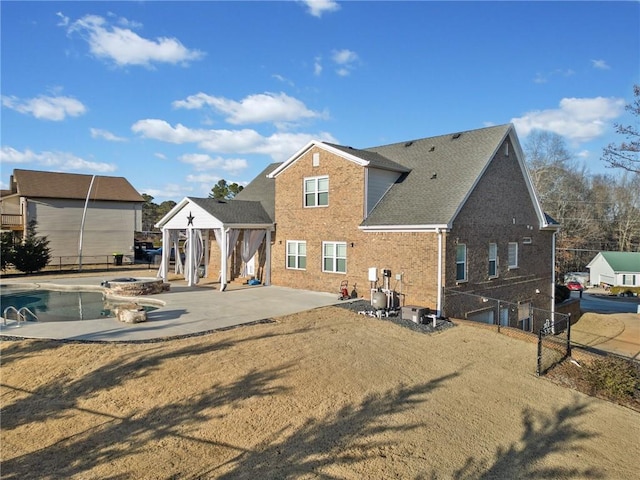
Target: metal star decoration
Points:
x,y
190,219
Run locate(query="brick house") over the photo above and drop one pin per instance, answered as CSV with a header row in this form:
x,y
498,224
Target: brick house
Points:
x,y
445,222
451,219
56,202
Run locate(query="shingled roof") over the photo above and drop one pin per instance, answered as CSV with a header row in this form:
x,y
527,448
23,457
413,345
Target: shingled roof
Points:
x,y
39,184
263,190
444,169
234,211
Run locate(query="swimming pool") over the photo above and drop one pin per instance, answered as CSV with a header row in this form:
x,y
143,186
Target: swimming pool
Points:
x,y
58,306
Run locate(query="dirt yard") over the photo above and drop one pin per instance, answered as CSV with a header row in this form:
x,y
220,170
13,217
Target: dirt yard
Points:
x,y
325,394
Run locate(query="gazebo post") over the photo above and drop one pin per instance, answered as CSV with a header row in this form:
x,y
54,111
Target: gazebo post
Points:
x,y
223,259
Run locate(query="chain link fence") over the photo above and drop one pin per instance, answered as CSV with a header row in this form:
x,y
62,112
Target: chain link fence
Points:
x,y
552,329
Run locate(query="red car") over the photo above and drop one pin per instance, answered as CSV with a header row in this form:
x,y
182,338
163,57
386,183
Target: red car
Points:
x,y
573,285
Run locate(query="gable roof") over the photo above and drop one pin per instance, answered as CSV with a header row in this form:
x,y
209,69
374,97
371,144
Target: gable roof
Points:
x,y
444,171
228,213
38,184
620,261
234,211
262,189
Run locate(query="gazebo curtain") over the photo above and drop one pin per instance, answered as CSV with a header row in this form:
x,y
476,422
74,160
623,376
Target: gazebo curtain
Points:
x,y
250,244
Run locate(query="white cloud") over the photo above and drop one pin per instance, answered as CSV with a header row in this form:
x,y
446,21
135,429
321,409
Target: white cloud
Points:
x,y
578,119
317,66
318,7
46,108
170,191
124,47
106,135
279,145
62,161
600,64
545,77
202,162
259,108
345,60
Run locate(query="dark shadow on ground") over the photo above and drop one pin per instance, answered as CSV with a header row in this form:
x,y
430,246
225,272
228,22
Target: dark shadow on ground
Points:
x,y
331,440
543,435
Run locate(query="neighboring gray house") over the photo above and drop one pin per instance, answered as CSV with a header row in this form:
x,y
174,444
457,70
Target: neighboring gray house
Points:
x,y
615,269
56,201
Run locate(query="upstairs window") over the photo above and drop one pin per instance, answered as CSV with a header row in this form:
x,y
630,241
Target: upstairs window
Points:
x,y
316,192
513,254
296,255
493,260
461,263
334,257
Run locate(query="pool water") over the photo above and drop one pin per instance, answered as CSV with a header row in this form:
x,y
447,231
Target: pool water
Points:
x,y
57,306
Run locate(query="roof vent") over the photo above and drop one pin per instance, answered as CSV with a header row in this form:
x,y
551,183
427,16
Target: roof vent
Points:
x,y
433,147
455,136
408,144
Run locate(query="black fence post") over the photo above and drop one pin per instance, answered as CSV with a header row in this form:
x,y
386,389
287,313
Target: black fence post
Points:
x,y
539,361
569,335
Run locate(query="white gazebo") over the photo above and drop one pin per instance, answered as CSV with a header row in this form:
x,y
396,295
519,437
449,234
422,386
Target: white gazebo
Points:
x,y
196,219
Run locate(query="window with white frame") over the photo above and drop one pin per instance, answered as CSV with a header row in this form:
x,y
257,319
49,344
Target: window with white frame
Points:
x,y
316,191
493,260
461,263
513,254
334,257
296,254
628,279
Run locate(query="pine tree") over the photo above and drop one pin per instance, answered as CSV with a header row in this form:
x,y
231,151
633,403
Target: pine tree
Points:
x,y
33,254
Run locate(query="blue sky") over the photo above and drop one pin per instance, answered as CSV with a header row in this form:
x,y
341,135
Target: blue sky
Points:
x,y
177,95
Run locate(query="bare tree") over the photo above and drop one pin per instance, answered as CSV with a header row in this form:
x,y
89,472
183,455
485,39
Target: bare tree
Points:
x,y
625,155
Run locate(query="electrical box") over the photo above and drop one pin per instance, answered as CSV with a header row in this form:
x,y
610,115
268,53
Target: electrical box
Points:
x,y
373,274
415,314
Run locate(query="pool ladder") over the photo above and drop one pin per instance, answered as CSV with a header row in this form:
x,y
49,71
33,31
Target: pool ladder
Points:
x,y
21,315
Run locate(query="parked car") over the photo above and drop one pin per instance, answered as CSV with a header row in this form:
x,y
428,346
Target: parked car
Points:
x,y
151,254
575,286
141,248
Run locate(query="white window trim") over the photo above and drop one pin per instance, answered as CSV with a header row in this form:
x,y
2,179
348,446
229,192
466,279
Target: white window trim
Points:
x,y
628,277
493,259
335,257
297,254
513,266
464,262
317,192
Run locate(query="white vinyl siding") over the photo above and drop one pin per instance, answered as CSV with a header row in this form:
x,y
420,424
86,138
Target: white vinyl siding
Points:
x,y
109,227
378,183
493,260
334,257
296,255
316,191
461,263
513,254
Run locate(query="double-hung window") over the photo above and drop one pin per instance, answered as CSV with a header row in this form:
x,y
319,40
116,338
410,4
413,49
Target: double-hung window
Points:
x,y
316,191
296,254
334,257
493,260
461,263
513,254
628,279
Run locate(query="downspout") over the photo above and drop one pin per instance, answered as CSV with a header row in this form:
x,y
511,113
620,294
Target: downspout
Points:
x,y
267,254
439,301
84,216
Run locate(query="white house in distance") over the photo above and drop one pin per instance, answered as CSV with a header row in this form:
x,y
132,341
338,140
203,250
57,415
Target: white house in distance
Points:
x,y
616,269
56,201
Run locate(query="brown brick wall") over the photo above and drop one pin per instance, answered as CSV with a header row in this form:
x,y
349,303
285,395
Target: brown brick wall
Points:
x,y
413,254
499,210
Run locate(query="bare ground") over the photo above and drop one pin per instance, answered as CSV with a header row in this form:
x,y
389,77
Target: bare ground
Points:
x,y
324,394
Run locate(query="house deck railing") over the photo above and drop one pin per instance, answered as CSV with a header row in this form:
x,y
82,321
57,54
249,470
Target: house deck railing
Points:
x,y
12,221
